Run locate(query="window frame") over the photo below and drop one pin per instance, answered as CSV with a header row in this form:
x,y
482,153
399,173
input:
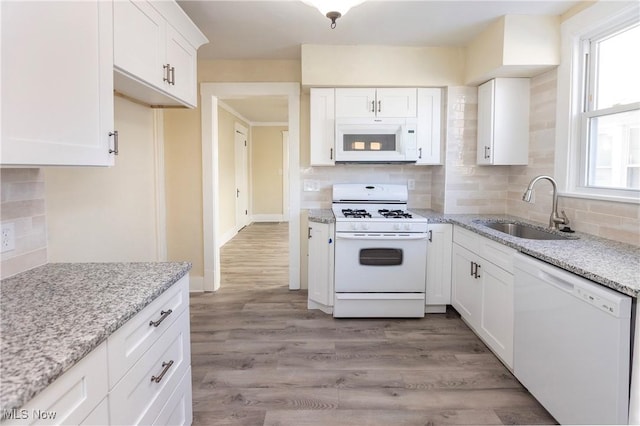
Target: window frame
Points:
x,y
572,113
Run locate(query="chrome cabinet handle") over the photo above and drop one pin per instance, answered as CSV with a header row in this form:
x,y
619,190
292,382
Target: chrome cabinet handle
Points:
x,y
430,236
379,106
487,150
164,315
115,142
166,366
172,73
476,274
166,76
330,153
471,263
419,153
373,106
309,234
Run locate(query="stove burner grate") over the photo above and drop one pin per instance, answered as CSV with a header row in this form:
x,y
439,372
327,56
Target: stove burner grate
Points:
x,y
355,213
395,214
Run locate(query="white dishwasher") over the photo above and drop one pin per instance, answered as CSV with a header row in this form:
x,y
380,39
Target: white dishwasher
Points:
x,y
571,344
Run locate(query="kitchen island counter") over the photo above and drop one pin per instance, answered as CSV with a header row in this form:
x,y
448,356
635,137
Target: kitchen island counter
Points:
x,y
54,315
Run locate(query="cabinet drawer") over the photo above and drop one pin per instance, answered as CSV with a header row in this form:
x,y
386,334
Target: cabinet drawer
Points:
x,y
496,253
137,399
70,398
178,410
133,339
466,238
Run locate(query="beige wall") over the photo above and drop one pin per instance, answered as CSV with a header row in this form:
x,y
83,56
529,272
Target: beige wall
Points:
x,y
183,182
23,204
266,171
108,214
372,66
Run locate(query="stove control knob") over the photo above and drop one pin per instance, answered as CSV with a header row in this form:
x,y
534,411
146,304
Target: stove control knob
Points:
x,y
365,226
407,226
396,226
354,226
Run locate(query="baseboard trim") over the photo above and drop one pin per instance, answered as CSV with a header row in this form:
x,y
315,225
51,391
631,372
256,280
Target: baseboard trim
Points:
x,y
196,284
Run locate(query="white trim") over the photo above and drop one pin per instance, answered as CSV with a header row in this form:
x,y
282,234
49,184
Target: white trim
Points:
x,y
269,123
568,145
285,175
160,197
230,110
592,196
210,92
227,236
267,218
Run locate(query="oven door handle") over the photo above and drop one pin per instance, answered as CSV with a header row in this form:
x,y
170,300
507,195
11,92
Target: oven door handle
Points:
x,y
381,236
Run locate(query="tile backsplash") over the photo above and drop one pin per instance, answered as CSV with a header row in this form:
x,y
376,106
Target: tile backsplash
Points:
x,y
22,203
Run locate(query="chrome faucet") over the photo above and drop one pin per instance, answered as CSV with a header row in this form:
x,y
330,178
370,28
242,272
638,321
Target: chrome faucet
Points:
x,y
555,219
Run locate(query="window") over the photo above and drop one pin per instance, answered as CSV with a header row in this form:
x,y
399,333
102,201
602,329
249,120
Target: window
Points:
x,y
609,120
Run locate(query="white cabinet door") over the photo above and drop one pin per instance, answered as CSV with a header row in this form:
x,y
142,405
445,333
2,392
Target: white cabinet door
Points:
x,y
355,103
139,41
439,265
466,290
72,397
396,102
57,83
181,57
429,130
496,319
371,102
503,122
154,62
322,126
320,269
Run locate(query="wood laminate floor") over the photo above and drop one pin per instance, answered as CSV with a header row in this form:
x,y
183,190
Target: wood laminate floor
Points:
x,y
259,357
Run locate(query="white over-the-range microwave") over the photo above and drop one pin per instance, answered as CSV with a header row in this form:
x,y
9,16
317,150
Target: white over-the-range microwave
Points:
x,y
376,140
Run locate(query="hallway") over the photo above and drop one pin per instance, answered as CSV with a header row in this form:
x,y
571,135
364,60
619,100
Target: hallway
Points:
x,y
259,357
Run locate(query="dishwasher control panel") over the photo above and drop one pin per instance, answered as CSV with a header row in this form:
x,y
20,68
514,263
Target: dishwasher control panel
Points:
x,y
601,303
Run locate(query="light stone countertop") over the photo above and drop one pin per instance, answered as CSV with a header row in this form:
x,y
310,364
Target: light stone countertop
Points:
x,y
610,263
54,315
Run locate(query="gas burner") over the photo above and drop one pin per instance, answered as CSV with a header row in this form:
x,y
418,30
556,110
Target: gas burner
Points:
x,y
395,214
355,213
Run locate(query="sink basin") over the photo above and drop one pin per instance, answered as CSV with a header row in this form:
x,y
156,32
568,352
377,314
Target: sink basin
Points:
x,y
522,230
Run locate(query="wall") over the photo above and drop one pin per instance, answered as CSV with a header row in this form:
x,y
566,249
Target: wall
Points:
x,y
266,172
109,214
22,202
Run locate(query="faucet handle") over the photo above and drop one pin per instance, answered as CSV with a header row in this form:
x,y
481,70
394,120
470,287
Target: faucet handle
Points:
x,y
565,219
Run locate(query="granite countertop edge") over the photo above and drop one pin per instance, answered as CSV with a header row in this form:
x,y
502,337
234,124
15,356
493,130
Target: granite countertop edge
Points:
x,y
572,254
19,388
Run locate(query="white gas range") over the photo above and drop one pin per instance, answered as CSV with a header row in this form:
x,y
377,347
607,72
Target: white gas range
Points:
x,y
380,252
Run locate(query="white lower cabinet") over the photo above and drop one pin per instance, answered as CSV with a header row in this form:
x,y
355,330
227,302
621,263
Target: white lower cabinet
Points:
x,y
140,375
71,398
482,289
321,266
439,267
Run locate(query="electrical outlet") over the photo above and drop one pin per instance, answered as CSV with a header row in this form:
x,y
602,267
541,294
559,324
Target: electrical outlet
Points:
x,y
8,237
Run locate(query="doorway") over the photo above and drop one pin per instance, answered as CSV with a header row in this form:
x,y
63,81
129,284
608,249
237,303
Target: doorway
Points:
x,y
242,171
210,94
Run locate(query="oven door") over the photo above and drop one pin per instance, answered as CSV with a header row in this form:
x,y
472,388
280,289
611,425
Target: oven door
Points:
x,y
380,262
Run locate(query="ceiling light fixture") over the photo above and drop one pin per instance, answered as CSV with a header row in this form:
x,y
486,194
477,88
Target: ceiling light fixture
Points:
x,y
333,9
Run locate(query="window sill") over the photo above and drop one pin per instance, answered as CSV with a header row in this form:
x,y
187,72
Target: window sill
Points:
x,y
599,197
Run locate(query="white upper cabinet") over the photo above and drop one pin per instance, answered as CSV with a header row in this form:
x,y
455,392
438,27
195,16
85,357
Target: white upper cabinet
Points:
x,y
382,103
322,126
429,139
155,46
503,122
57,83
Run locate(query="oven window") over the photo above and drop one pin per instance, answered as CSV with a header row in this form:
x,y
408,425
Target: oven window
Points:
x,y
381,256
369,142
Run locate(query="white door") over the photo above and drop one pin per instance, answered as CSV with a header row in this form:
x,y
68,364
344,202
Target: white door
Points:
x,y
242,170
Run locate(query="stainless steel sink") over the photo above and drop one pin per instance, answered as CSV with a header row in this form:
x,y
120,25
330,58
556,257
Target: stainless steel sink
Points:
x,y
522,230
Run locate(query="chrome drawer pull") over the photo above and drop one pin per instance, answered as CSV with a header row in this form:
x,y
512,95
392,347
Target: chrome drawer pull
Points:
x,y
167,366
164,314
